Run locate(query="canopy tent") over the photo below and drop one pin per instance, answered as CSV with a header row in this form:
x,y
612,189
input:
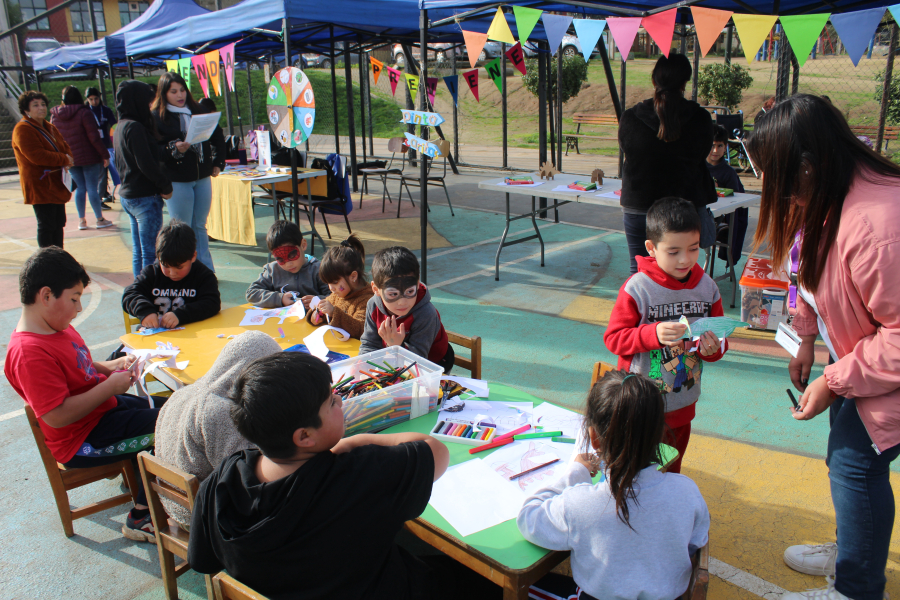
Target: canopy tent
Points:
x,y
111,48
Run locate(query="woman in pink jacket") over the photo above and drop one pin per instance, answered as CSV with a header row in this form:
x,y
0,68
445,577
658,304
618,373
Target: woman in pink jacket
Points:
x,y
831,211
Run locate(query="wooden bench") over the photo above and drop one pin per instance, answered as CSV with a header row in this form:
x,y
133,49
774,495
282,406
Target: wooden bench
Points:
x,y
590,119
891,133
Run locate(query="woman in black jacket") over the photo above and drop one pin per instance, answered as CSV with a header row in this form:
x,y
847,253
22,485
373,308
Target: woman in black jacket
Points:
x,y
188,166
665,140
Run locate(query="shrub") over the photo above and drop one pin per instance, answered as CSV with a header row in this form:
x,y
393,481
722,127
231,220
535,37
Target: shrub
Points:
x,y
574,73
893,108
723,84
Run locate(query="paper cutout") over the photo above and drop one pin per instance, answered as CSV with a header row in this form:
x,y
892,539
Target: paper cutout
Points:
x,y
423,146
415,117
803,31
172,65
624,30
721,327
526,19
517,57
452,83
471,78
856,30
478,387
431,88
555,27
753,30
661,28
588,32
394,76
499,30
315,342
412,82
227,54
709,23
199,63
184,69
495,73
523,455
212,70
258,316
474,45
377,68
554,418
154,330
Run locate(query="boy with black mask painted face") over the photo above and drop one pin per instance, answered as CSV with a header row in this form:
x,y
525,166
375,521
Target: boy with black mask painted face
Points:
x,y
401,313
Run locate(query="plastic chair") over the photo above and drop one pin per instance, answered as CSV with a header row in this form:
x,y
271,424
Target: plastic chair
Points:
x,y
227,587
63,479
473,363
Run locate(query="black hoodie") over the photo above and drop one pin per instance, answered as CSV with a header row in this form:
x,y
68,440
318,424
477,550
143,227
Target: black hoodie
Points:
x,y
137,151
324,532
655,169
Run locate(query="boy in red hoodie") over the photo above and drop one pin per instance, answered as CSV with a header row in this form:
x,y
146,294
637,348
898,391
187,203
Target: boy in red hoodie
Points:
x,y
643,328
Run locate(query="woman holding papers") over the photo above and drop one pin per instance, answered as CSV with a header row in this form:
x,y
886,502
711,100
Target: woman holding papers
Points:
x,y
189,163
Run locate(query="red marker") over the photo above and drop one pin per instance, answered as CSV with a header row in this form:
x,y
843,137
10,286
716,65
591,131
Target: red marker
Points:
x,y
495,444
521,429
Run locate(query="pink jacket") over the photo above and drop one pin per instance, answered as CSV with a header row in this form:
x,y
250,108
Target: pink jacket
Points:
x,y
859,301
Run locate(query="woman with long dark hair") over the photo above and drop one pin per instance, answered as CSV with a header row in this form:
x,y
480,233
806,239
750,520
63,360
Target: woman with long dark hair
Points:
x,y
830,213
189,166
665,141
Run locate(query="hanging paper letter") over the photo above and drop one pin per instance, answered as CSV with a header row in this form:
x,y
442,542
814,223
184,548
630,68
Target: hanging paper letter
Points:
x,y
377,68
431,88
517,57
471,78
184,68
394,76
172,65
452,83
212,69
199,63
494,71
412,82
227,54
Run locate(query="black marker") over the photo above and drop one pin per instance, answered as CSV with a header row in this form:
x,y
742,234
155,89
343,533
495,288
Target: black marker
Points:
x,y
794,400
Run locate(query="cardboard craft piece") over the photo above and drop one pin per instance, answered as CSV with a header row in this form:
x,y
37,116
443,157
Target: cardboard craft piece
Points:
x,y
548,170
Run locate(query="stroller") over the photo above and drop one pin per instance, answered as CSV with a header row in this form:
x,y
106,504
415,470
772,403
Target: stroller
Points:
x,y
737,150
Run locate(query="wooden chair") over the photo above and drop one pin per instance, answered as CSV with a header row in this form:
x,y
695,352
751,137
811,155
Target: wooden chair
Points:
x,y
473,363
430,180
600,369
699,583
163,479
63,479
227,587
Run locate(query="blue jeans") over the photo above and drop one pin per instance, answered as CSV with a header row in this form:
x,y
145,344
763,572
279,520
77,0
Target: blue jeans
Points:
x,y
146,221
863,503
87,179
635,236
190,203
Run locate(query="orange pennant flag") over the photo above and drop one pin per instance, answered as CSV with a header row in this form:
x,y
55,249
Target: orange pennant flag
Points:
x,y
474,44
212,68
709,23
377,68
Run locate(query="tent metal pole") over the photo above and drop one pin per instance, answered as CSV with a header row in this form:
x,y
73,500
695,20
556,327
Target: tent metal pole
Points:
x,y
728,42
454,74
295,206
351,126
542,117
886,88
93,18
503,106
423,166
622,101
369,108
362,99
337,132
559,103
695,79
224,88
112,81
130,68
250,96
610,80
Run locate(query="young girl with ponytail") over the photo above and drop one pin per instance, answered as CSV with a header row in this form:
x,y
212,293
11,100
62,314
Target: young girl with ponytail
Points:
x,y
343,268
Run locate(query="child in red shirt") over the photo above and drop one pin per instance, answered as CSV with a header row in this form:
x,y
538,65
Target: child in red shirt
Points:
x,y
81,405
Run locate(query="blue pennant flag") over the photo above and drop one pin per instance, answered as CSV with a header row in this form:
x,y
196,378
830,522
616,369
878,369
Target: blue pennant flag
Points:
x,y
452,82
856,29
555,26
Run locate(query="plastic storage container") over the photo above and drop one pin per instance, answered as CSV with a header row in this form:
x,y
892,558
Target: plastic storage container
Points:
x,y
382,408
763,295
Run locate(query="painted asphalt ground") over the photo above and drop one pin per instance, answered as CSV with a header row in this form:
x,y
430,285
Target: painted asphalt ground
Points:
x,y
762,473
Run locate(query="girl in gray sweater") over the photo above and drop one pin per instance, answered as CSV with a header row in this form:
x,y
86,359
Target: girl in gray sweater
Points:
x,y
632,534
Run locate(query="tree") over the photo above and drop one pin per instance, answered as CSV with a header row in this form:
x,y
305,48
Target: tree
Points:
x,y
723,84
574,73
893,107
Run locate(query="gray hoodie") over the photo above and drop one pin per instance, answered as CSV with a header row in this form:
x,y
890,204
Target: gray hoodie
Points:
x,y
266,290
194,430
425,332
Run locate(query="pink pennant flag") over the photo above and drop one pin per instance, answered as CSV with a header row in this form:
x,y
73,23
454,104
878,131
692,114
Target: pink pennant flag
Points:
x,y
431,88
394,76
661,27
517,57
624,30
199,63
227,54
471,78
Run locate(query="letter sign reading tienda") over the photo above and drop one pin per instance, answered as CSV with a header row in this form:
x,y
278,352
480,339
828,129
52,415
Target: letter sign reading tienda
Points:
x,y
415,117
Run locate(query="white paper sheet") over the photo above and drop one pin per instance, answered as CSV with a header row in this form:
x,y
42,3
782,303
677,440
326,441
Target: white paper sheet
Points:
x,y
472,497
524,185
315,342
505,415
201,127
478,387
553,418
612,195
523,455
258,316
566,188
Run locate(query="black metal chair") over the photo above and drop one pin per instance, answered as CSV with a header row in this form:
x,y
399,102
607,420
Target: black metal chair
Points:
x,y
387,173
430,180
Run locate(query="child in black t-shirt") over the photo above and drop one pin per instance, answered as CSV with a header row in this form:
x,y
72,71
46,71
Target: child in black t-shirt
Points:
x,y
308,514
726,177
176,289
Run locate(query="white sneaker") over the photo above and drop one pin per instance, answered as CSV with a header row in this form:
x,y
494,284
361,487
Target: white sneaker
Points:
x,y
825,593
816,559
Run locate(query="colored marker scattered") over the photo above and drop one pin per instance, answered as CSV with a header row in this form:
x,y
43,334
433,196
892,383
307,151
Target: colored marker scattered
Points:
x,y
542,434
526,471
281,332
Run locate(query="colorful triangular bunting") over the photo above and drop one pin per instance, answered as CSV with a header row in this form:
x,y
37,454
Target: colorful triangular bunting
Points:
x,y
227,54
471,78
624,30
709,22
555,26
474,45
172,65
431,88
452,83
588,32
753,29
412,82
895,12
377,68
199,63
499,29
495,72
184,69
803,31
212,69
526,19
394,76
517,57
661,27
856,29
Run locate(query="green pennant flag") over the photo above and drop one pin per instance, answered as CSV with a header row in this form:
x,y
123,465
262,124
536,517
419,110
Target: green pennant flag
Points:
x,y
184,69
526,19
495,72
802,32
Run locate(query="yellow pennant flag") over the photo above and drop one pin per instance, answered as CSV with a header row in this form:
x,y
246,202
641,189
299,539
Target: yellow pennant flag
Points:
x,y
753,29
172,65
499,30
412,82
212,69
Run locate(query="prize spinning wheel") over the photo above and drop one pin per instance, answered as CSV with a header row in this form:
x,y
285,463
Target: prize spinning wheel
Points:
x,y
291,107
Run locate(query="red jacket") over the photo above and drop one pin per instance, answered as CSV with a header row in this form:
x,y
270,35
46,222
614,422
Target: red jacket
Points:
x,y
80,130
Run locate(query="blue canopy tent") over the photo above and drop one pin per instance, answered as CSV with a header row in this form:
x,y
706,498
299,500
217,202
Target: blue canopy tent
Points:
x,y
111,49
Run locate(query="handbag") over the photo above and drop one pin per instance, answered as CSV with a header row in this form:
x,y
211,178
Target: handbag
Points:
x,y
707,228
66,176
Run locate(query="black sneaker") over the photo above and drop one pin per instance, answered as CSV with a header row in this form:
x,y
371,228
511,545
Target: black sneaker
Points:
x,y
105,206
139,530
109,199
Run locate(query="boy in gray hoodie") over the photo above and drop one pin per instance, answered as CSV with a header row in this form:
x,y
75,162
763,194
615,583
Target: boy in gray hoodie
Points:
x,y
292,276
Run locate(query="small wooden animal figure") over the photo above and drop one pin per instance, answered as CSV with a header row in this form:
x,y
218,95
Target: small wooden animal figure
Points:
x,y
548,170
597,176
